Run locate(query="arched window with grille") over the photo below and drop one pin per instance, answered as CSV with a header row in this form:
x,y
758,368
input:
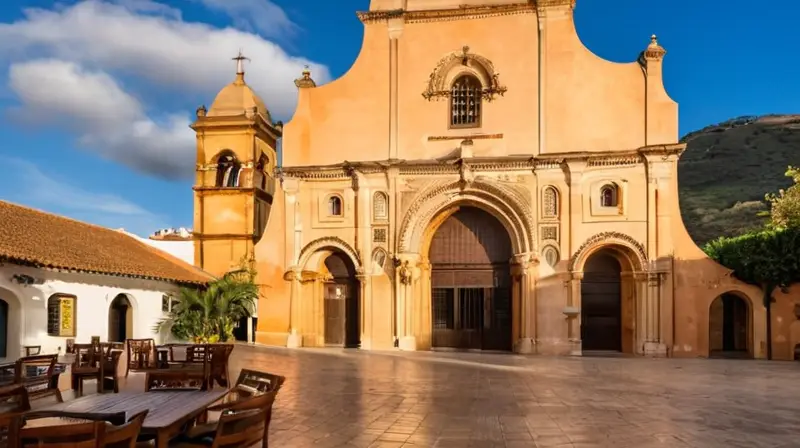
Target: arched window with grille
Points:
x,y
380,206
609,196
550,202
334,205
465,102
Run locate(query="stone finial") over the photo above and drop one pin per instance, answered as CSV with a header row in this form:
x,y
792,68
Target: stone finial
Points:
x,y
654,50
305,81
201,111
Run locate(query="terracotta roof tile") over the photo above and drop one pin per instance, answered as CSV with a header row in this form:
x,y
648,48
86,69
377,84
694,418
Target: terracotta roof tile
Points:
x,y
35,238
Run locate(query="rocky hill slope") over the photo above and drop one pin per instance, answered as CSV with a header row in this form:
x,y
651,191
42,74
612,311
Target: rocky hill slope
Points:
x,y
729,167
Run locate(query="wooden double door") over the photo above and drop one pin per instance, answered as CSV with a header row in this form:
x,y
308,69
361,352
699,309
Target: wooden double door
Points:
x,y
342,313
471,318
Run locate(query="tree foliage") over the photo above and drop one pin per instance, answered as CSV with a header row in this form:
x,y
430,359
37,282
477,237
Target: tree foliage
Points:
x,y
766,258
769,259
208,315
785,206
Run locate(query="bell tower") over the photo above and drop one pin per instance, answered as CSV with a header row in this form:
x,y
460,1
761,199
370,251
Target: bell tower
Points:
x,y
234,182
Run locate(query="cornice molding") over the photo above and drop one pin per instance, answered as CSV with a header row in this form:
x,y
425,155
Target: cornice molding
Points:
x,y
439,15
343,171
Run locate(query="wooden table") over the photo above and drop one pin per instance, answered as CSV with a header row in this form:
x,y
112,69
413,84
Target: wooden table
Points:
x,y
169,410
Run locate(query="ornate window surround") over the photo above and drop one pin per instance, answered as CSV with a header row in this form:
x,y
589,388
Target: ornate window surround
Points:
x,y
456,64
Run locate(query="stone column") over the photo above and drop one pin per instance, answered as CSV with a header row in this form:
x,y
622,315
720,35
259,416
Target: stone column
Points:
x,y
365,308
573,313
295,339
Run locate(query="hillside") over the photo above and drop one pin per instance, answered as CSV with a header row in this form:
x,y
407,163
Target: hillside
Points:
x,y
729,167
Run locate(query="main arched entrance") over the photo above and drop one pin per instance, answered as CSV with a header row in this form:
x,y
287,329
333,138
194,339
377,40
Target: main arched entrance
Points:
x,y
471,282
342,302
601,303
120,319
728,327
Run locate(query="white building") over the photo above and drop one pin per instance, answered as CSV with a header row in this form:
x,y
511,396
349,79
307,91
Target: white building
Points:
x,y
176,242
62,279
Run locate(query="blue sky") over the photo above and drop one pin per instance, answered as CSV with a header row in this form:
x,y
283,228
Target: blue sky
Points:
x,y
95,96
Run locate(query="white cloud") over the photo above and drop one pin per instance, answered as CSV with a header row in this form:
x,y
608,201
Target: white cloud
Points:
x,y
48,193
263,16
80,49
107,119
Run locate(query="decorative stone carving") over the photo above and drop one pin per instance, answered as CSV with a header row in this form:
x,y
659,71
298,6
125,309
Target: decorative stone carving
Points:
x,y
551,255
550,202
440,194
550,233
405,273
438,85
611,238
332,242
379,235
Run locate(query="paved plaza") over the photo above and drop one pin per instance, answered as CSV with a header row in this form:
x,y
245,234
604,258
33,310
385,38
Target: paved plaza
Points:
x,y
337,398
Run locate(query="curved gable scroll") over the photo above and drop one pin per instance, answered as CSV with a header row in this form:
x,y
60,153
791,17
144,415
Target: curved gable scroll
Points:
x,y
462,62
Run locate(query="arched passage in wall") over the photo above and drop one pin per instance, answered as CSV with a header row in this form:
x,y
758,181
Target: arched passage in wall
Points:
x,y
608,291
341,296
729,327
120,319
471,303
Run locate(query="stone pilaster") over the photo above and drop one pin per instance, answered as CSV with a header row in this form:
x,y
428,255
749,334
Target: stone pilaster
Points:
x,y
365,306
573,313
406,275
654,345
295,339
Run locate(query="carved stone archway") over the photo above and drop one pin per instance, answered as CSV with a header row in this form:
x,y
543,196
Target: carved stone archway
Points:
x,y
633,250
506,204
427,212
641,293
331,242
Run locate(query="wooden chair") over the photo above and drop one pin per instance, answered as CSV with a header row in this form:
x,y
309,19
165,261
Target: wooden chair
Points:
x,y
141,355
172,380
125,436
110,371
243,397
209,358
13,404
88,365
258,382
234,429
39,376
79,435
219,355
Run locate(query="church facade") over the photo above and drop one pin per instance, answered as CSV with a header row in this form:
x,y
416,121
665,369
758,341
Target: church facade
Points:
x,y
477,180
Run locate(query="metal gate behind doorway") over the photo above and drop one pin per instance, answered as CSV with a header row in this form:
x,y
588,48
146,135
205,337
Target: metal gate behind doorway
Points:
x,y
470,279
